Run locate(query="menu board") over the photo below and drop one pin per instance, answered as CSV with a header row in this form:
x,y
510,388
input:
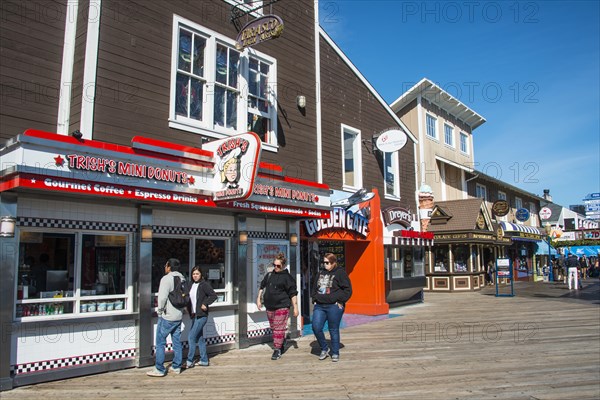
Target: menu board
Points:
x,y
336,248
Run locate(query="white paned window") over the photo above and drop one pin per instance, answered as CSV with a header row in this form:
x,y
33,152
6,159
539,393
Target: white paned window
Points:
x,y
218,91
352,160
431,126
533,214
259,110
480,191
501,195
464,143
448,135
392,174
518,203
66,274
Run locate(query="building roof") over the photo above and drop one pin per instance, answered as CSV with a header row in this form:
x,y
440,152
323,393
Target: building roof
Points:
x,y
460,215
438,96
481,176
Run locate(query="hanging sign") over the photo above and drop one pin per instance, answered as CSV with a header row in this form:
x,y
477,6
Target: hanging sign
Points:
x,y
236,161
391,140
260,30
545,213
500,208
522,214
397,215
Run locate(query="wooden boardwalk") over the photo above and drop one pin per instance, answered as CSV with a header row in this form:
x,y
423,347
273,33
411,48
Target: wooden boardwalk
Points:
x,y
541,344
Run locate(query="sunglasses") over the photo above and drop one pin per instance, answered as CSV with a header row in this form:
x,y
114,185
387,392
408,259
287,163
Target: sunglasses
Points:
x,y
277,265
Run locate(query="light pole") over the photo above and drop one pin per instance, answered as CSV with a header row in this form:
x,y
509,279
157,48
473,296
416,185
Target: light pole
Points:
x,y
548,229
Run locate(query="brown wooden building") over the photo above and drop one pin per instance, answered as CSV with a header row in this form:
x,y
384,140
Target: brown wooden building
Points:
x,y
154,85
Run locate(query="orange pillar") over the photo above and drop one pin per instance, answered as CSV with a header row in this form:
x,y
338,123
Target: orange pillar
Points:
x,y
365,266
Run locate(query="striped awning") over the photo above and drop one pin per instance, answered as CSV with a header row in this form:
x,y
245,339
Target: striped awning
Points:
x,y
510,227
404,241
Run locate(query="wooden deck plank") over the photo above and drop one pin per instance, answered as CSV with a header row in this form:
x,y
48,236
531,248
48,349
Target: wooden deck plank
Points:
x,y
453,346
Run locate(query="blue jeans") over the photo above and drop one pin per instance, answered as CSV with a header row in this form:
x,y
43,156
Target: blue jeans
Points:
x,y
331,313
196,337
165,328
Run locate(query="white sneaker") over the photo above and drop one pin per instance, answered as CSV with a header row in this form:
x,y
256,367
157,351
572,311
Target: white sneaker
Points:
x,y
175,371
156,373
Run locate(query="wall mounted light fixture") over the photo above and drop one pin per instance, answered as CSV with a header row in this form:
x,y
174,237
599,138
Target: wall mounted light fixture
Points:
x,y
243,236
301,101
7,226
294,239
146,233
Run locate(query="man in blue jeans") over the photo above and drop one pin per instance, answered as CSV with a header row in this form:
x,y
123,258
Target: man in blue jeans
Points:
x,y
169,322
331,291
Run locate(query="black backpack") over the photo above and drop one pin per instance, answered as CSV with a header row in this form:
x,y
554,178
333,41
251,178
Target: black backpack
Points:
x,y
179,296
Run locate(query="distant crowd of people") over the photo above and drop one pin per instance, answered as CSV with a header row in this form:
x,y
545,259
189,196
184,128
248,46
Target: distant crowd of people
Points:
x,y
572,269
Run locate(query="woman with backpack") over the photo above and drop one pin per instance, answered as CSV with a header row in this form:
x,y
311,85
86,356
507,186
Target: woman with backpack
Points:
x,y
201,296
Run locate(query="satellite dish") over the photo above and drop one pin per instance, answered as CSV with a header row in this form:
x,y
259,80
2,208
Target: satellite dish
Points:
x,y
391,140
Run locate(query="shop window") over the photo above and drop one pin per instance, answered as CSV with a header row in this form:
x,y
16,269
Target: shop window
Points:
x,y
210,257
217,90
440,259
164,249
61,273
392,174
208,254
418,261
352,160
405,262
461,258
395,262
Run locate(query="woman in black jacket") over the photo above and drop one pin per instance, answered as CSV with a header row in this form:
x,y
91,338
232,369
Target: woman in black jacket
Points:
x,y
331,290
201,296
279,288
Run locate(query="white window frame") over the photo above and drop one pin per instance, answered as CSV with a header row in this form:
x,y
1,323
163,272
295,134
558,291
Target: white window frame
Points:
x,y
464,142
533,212
502,195
357,156
206,127
77,299
429,117
448,129
479,190
518,203
395,171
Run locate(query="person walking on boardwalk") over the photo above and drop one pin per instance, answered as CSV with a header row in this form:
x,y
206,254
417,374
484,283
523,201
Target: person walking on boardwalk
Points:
x,y
572,264
331,290
169,322
280,292
201,296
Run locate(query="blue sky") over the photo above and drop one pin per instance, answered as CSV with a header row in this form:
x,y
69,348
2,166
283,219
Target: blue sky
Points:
x,y
530,68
